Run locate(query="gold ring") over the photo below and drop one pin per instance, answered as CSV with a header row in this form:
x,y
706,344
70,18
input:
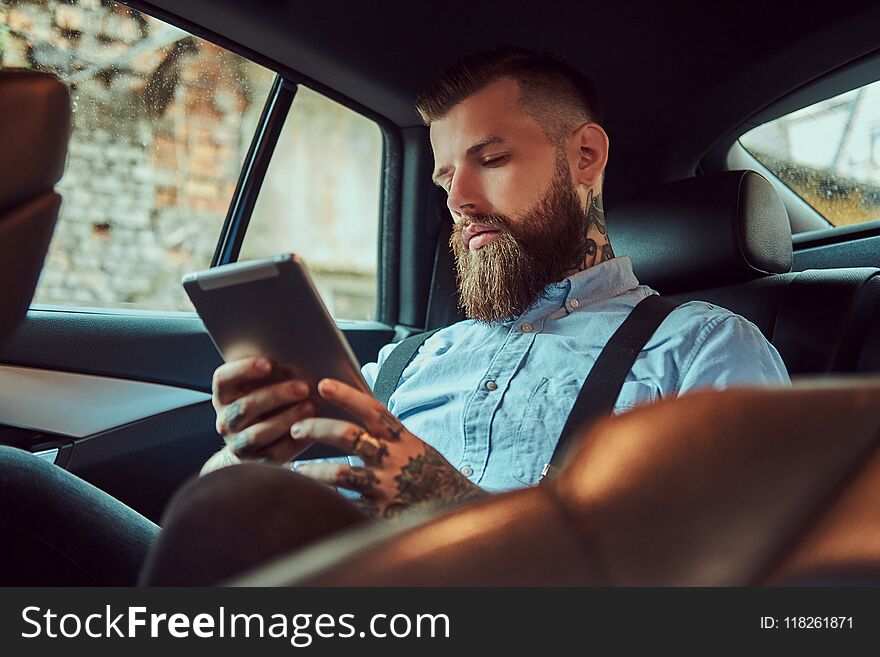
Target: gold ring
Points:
x,y
368,447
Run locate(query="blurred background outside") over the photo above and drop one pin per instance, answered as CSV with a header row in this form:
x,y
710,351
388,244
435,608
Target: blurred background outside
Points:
x,y
162,122
828,154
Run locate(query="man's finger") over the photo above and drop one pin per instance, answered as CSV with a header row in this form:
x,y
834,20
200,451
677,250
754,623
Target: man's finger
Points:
x,y
366,408
270,439
230,378
244,411
360,480
335,433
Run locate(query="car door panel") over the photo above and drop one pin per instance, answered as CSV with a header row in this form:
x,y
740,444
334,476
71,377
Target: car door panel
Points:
x,y
123,396
83,404
172,349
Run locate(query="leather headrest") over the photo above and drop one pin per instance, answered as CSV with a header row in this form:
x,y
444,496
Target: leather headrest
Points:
x,y
704,232
34,120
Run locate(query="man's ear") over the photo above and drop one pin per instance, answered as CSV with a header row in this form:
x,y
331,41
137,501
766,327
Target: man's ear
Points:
x,y
589,147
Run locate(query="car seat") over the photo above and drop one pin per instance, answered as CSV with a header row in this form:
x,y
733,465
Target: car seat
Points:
x,y
34,131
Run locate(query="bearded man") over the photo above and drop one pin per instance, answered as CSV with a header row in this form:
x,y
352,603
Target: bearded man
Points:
x,y
520,151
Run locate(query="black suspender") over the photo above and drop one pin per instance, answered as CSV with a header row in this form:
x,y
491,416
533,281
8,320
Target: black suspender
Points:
x,y
601,387
398,359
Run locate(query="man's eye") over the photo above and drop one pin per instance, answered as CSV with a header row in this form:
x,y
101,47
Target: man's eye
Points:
x,y
495,161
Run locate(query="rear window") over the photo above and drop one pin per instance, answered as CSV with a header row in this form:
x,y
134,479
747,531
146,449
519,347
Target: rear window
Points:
x,y
162,121
320,199
828,154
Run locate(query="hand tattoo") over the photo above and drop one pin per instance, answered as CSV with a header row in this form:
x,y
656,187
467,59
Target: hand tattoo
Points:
x,y
430,478
393,426
233,415
359,479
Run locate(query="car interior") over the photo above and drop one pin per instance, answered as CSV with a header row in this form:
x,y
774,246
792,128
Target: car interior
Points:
x,y
731,488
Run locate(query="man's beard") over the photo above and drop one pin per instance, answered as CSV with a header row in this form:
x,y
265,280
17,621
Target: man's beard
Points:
x,y
505,277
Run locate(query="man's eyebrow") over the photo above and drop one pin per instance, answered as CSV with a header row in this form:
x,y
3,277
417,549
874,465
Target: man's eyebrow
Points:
x,y
491,140
480,145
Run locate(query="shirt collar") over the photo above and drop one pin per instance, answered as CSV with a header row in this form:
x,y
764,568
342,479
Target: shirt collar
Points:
x,y
602,282
590,286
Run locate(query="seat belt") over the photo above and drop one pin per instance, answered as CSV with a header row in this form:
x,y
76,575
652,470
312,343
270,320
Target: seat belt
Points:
x,y
601,388
389,374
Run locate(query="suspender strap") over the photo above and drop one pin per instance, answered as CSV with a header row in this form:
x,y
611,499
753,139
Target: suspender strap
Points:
x,y
602,386
398,359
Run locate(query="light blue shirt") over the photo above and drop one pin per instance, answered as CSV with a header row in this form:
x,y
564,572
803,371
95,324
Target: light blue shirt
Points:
x,y
493,399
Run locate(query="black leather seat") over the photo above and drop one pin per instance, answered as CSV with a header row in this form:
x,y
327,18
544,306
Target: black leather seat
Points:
x,y
34,129
725,239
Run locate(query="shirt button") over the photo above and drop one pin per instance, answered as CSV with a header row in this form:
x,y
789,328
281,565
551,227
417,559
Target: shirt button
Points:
x,y
491,385
527,328
574,303
467,470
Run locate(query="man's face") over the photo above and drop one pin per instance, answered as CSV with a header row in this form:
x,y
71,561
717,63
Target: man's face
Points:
x,y
519,223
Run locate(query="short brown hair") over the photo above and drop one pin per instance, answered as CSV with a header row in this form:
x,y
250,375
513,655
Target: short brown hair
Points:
x,y
553,92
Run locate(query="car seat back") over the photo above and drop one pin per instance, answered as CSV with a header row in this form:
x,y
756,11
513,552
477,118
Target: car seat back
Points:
x,y
34,131
724,238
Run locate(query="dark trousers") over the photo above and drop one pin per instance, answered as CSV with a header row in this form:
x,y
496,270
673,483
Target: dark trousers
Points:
x,y
58,530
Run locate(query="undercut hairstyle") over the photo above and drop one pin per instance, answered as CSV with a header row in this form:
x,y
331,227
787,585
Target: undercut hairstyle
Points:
x,y
552,91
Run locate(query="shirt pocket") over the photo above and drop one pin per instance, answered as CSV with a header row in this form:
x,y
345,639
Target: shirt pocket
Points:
x,y
546,412
544,416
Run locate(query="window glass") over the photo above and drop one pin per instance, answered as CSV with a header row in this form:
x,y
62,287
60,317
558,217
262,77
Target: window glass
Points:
x,y
162,121
320,199
828,154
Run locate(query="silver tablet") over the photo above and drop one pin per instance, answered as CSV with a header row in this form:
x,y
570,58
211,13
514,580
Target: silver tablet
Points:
x,y
271,308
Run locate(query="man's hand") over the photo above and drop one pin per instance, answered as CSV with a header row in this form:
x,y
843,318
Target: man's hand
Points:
x,y
400,470
256,401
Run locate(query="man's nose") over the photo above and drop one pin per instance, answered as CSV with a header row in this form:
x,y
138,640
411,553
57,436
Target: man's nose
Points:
x,y
464,197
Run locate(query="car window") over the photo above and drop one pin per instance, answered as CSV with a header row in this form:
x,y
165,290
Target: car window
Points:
x,y
320,199
162,121
828,154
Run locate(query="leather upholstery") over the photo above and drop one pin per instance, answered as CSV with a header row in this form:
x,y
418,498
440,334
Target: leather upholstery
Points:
x,y
34,130
819,320
730,488
714,230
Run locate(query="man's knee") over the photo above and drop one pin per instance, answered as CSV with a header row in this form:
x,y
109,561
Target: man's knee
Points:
x,y
19,462
237,518
248,491
24,476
